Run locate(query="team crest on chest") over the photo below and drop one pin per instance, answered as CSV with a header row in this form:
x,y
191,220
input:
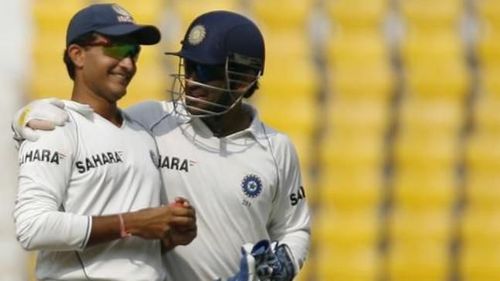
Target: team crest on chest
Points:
x,y
251,185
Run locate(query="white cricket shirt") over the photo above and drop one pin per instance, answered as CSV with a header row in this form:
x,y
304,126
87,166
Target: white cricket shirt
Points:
x,y
245,187
89,167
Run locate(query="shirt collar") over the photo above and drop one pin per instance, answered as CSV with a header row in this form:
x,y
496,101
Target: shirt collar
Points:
x,y
86,110
83,109
256,128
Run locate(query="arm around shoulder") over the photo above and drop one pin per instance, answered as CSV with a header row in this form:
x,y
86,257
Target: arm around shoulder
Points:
x,y
43,114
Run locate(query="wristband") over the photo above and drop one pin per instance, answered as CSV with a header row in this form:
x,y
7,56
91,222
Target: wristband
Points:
x,y
123,232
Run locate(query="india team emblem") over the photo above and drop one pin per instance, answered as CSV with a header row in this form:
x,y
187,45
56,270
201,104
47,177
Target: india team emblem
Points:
x,y
252,185
122,15
196,35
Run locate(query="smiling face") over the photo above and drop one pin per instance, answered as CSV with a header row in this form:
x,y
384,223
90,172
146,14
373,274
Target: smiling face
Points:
x,y
205,88
105,67
210,90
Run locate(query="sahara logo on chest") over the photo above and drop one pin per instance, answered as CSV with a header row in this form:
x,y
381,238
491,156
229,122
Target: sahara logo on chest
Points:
x,y
41,155
100,159
175,163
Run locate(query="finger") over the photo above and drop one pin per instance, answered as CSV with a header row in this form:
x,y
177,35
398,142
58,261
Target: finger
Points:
x,y
29,134
192,232
176,222
167,233
182,211
184,233
182,201
58,117
182,219
264,271
191,228
44,125
48,109
176,204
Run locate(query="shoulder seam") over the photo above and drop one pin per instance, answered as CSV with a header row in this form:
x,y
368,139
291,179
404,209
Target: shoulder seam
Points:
x,y
159,121
271,148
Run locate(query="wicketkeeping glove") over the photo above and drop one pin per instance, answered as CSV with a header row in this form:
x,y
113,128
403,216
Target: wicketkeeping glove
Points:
x,y
48,112
247,262
265,261
277,264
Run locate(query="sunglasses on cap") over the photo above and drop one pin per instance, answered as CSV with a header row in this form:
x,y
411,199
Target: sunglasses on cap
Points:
x,y
118,50
204,72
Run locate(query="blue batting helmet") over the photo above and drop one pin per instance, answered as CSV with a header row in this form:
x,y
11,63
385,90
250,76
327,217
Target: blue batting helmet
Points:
x,y
217,36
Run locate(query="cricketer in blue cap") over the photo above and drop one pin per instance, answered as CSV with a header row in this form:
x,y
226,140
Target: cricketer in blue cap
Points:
x,y
104,220
111,20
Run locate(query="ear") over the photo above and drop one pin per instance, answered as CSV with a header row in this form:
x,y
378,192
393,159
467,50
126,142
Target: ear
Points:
x,y
76,54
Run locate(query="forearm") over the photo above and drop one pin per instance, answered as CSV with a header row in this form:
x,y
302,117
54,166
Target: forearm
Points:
x,y
173,225
41,225
123,225
105,229
39,228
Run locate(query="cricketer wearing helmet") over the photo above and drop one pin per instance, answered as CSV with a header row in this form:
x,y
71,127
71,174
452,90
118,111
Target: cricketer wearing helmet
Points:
x,y
242,176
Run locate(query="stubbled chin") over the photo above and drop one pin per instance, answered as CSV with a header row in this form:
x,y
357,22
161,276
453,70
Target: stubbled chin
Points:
x,y
118,91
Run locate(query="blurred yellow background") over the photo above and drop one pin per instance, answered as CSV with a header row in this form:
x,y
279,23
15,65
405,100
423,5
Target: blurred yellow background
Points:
x,y
393,106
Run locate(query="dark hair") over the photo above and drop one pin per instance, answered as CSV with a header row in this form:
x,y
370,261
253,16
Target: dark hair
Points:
x,y
82,41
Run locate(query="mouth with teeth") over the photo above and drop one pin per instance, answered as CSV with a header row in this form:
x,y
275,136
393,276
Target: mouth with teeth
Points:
x,y
122,78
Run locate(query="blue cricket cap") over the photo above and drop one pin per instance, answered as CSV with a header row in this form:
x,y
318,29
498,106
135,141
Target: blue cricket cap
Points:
x,y
214,36
111,20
